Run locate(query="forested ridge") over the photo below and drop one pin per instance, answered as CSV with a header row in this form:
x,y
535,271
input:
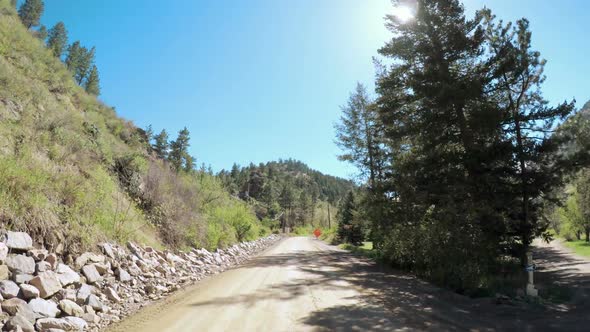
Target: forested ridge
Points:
x,y
287,192
465,161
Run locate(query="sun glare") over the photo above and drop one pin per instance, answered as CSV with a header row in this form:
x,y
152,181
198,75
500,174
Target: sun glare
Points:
x,y
403,13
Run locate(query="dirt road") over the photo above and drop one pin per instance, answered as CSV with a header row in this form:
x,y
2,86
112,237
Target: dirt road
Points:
x,y
302,284
560,268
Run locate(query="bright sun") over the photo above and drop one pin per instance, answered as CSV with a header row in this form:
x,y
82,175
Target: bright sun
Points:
x,y
403,13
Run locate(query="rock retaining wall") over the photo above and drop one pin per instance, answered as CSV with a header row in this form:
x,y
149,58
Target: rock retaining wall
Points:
x,y
40,293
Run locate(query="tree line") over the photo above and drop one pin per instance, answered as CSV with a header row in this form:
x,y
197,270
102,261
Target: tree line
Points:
x,y
458,146
571,219
174,151
79,59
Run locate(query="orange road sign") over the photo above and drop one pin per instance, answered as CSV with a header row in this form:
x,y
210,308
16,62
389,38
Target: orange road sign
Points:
x,y
317,233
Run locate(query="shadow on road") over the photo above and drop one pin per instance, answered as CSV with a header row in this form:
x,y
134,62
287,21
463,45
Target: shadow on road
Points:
x,y
392,300
558,269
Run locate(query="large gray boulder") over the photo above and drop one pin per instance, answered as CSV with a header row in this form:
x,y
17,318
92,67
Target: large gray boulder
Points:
x,y
70,308
18,241
135,249
83,293
3,251
20,264
44,308
9,289
122,275
4,272
112,295
107,248
88,257
66,275
21,278
19,323
17,306
79,323
42,266
47,283
45,324
91,274
94,302
29,291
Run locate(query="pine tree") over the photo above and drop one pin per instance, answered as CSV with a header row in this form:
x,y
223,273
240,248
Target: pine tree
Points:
x,y
286,200
268,195
92,84
235,171
58,39
349,227
149,134
359,134
30,12
255,184
446,150
304,205
79,61
85,65
179,149
189,164
161,145
528,123
583,201
41,33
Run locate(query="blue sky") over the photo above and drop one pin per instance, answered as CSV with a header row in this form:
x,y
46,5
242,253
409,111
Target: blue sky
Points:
x,y
260,80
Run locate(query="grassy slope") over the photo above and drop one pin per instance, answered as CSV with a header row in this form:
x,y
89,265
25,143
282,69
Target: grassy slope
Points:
x,y
52,172
58,146
579,247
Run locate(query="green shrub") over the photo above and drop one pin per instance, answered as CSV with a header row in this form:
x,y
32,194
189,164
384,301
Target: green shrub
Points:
x,y
305,230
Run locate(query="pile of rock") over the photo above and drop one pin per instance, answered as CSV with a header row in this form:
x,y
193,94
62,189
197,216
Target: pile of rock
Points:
x,y
40,293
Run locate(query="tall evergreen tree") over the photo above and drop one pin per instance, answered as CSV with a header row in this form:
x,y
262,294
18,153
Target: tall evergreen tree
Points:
x,y
30,12
268,196
79,61
92,84
359,134
161,145
349,226
189,164
149,134
447,151
528,125
179,149
58,39
583,190
286,200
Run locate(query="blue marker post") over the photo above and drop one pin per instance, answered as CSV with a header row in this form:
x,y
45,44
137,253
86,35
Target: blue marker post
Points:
x,y
530,287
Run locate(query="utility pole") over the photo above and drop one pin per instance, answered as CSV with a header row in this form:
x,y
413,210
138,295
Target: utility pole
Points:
x,y
329,222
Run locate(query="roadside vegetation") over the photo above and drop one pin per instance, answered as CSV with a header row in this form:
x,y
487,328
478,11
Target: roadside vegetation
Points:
x,y
464,161
580,247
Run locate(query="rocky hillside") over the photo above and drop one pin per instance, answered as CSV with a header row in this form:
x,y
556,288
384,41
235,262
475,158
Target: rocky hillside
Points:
x,y
73,173
39,292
